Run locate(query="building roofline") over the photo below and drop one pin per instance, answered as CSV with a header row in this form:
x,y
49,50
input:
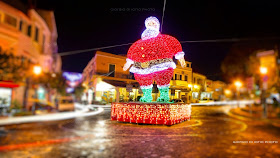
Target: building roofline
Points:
x,y
199,74
109,54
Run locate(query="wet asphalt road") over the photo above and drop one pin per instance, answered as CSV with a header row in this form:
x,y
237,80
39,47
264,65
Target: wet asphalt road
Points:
x,y
210,133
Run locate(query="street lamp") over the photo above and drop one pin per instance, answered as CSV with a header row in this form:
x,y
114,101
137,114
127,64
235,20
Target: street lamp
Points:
x,y
263,71
238,84
227,93
37,70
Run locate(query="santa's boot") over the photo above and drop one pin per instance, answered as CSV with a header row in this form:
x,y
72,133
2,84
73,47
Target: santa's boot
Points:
x,y
147,95
164,94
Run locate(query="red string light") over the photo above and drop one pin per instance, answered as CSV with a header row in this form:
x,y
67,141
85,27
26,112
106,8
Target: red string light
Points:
x,y
163,114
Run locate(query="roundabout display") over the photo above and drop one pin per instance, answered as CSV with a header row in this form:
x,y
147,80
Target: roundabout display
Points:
x,y
151,60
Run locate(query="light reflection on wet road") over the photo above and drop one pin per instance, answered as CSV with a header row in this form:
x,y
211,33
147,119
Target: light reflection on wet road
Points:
x,y
209,133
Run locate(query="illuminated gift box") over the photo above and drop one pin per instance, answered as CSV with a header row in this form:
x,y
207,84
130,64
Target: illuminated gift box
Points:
x,y
151,113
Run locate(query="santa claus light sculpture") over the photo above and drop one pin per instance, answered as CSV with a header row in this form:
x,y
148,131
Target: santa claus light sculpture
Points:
x,y
151,58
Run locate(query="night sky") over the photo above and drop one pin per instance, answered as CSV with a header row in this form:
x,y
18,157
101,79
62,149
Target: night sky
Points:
x,y
90,24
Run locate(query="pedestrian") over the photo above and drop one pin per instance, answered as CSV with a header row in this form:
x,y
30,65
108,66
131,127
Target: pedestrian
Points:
x,y
275,102
56,103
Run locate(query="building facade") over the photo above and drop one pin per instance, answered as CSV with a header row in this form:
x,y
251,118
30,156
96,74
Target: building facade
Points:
x,y
31,34
180,85
106,81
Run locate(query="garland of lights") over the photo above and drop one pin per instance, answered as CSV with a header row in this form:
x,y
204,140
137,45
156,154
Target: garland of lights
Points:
x,y
151,58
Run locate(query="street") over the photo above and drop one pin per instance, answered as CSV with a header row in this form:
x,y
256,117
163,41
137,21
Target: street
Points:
x,y
209,133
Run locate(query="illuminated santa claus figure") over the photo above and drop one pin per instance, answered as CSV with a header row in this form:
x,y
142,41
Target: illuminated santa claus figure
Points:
x,y
151,58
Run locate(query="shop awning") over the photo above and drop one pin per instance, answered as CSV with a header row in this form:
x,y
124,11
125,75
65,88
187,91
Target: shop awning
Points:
x,y
183,89
121,83
8,84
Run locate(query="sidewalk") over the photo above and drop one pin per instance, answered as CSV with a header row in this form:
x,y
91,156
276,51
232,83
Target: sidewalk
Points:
x,y
81,111
255,114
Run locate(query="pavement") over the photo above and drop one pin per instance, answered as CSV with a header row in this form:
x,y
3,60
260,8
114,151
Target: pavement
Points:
x,y
209,133
80,111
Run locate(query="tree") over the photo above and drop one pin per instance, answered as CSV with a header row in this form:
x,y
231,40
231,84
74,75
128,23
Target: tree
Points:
x,y
52,81
14,68
79,90
241,61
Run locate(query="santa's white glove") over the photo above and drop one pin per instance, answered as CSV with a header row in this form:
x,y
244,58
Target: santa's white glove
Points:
x,y
182,62
127,64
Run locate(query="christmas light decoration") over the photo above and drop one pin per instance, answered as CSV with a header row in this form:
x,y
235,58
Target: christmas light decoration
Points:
x,y
151,58
152,113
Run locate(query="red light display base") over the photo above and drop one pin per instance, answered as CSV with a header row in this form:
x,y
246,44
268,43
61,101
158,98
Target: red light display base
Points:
x,y
151,113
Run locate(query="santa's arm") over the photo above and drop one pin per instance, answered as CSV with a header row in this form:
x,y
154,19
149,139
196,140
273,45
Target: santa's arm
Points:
x,y
176,48
128,63
129,60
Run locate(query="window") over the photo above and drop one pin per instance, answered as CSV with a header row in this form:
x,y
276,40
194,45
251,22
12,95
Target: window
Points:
x,y
29,30
176,77
180,77
112,70
188,65
91,73
186,78
10,20
20,25
36,34
43,43
131,76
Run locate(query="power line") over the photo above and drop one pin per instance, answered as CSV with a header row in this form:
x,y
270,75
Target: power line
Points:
x,y
163,10
91,49
230,40
195,41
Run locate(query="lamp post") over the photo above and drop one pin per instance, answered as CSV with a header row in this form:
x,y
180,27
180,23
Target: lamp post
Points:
x,y
36,70
190,97
238,84
263,71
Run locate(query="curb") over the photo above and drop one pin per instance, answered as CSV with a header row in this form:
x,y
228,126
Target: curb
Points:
x,y
252,119
48,117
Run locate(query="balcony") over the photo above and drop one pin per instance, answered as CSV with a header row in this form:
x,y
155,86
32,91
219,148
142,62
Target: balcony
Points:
x,y
179,83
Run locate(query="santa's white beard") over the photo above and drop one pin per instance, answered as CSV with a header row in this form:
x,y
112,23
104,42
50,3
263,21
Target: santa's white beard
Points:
x,y
149,33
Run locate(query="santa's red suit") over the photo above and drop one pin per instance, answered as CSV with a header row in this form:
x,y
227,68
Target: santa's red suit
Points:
x,y
153,59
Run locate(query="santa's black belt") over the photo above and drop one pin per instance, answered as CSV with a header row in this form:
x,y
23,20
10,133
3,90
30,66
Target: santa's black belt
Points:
x,y
148,64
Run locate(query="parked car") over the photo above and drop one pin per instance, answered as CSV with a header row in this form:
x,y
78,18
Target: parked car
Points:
x,y
206,100
194,101
66,103
41,108
177,101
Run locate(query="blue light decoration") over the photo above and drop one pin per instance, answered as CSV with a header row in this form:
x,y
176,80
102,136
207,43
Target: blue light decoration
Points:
x,y
73,79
